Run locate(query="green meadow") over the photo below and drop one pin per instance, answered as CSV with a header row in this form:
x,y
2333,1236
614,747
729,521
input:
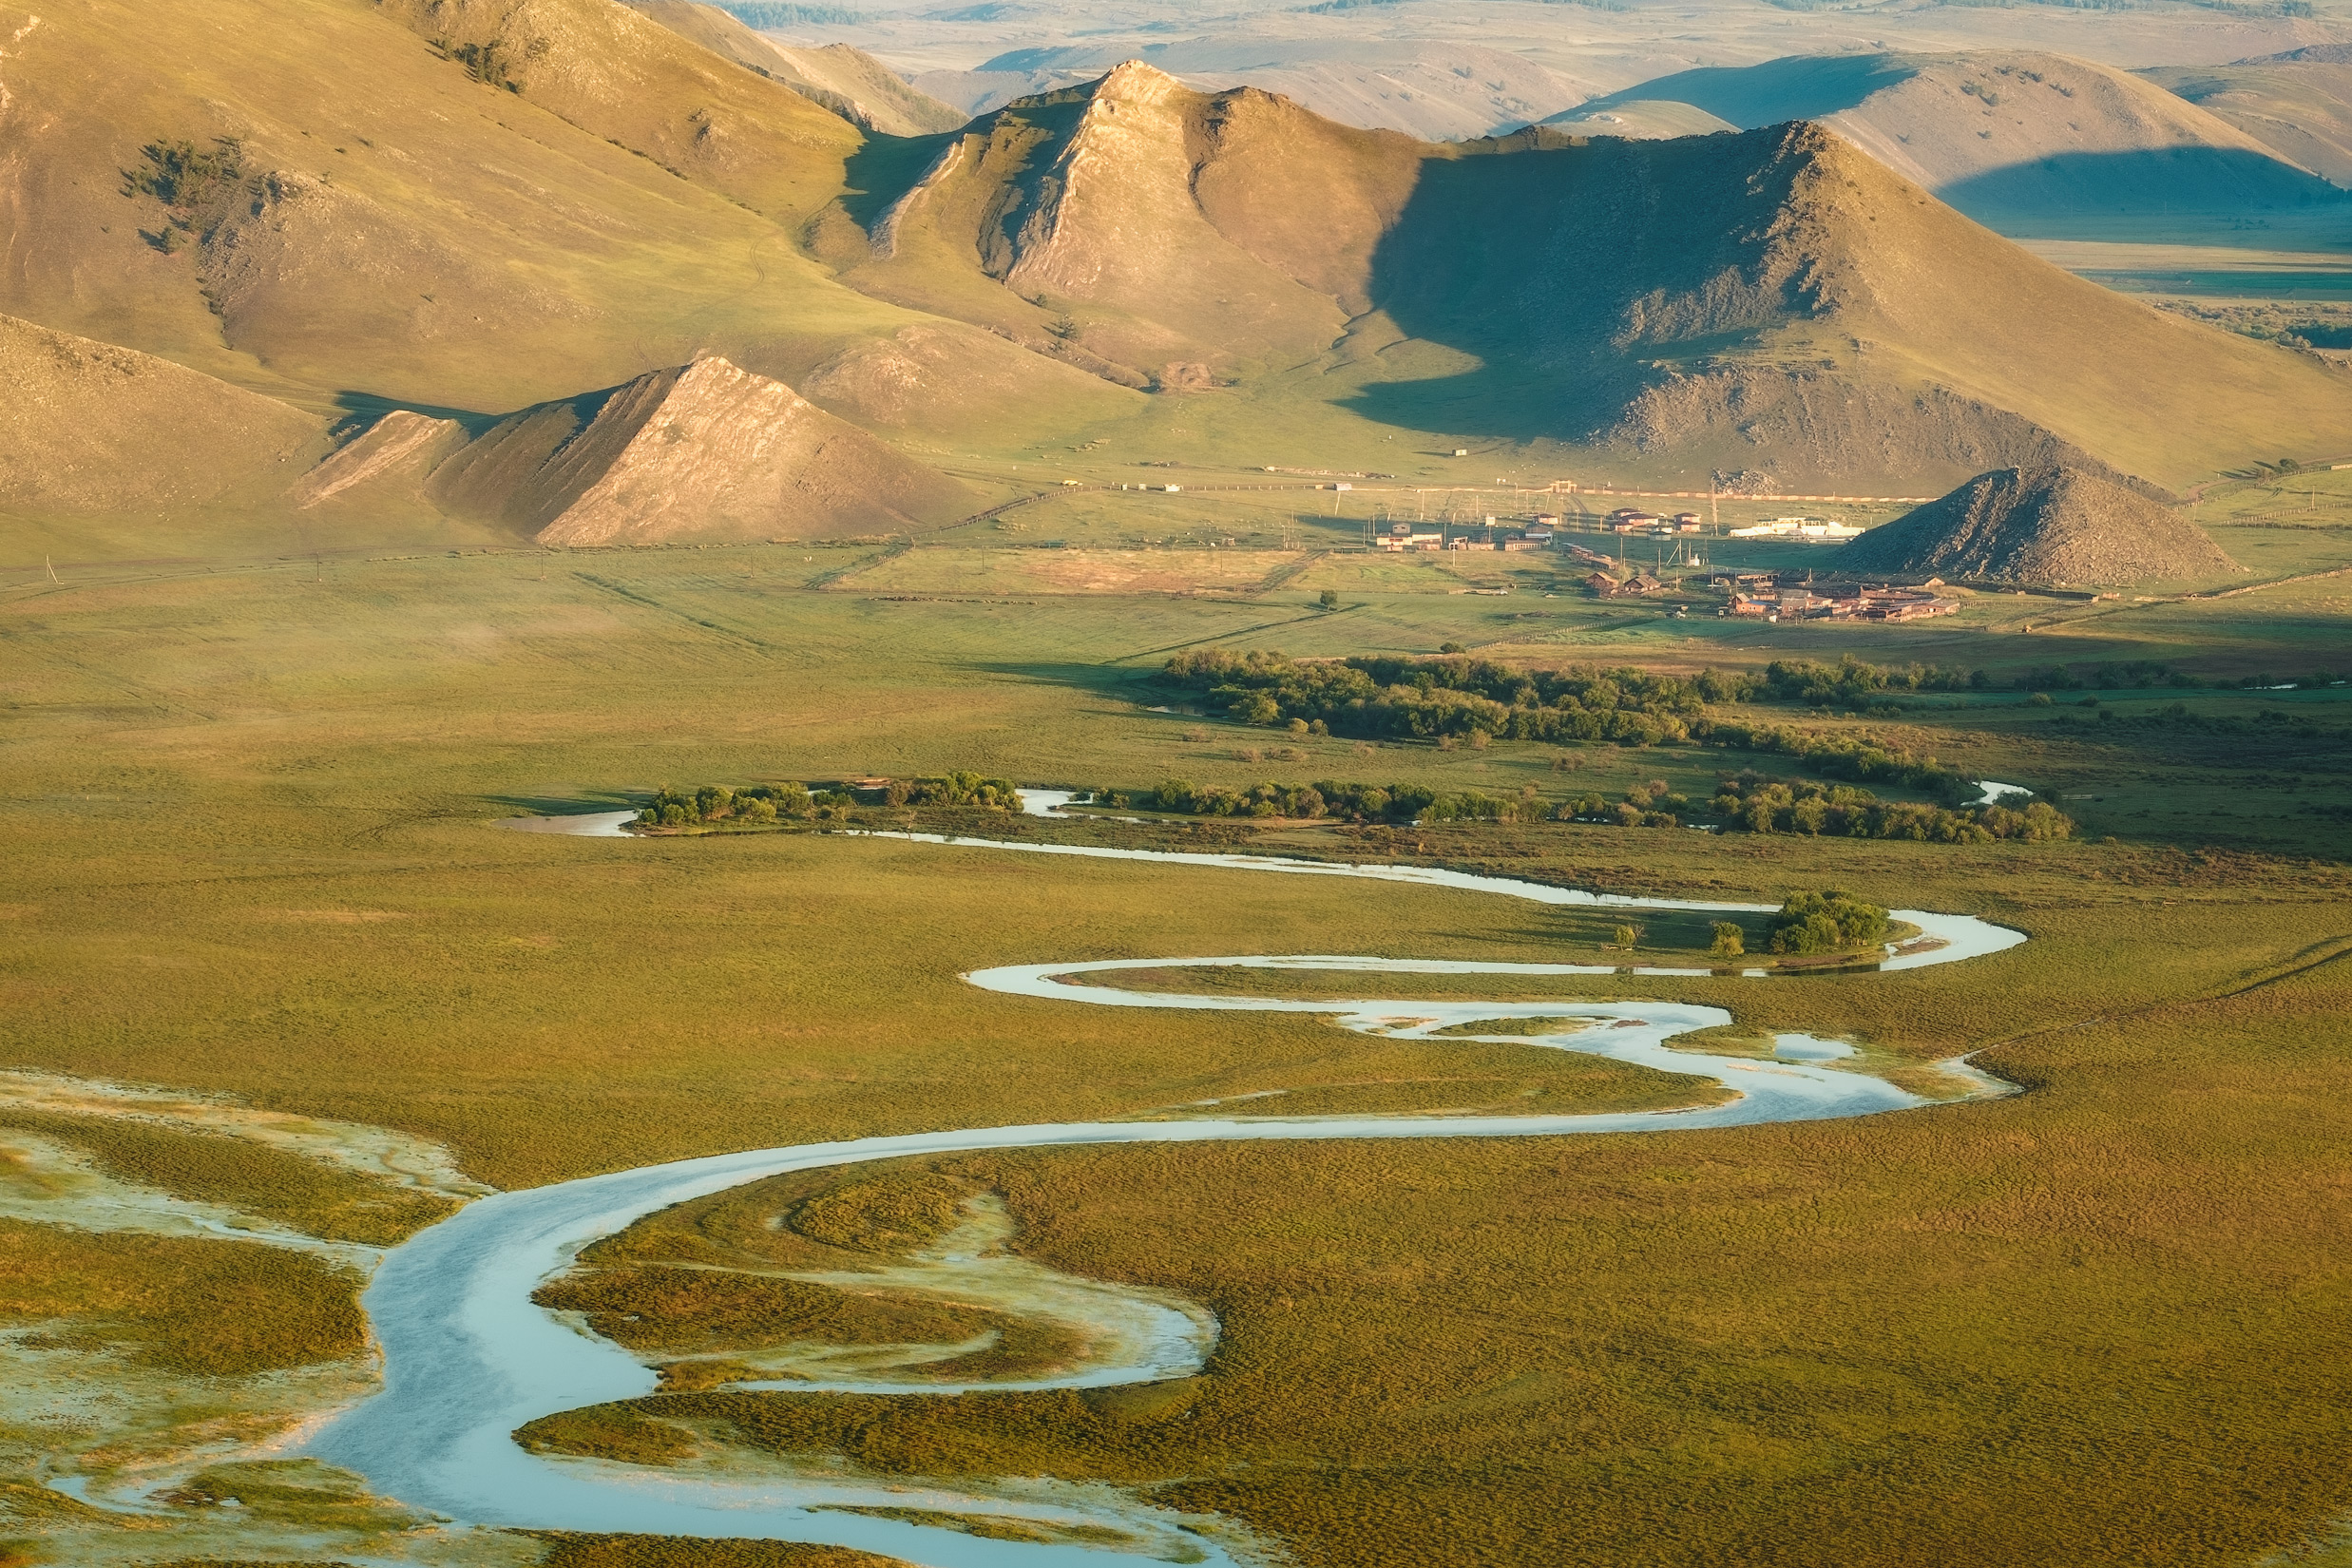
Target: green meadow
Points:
x,y
250,812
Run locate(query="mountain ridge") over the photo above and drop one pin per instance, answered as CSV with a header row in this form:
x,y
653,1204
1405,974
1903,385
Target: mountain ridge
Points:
x,y
1749,284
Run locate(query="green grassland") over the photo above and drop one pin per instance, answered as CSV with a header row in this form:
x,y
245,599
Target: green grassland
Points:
x,y
578,1551
207,1307
249,818
300,1193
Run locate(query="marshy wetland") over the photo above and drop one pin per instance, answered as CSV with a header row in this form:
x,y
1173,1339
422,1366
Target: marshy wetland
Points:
x,y
253,868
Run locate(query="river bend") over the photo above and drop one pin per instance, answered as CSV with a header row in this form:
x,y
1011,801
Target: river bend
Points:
x,y
468,1357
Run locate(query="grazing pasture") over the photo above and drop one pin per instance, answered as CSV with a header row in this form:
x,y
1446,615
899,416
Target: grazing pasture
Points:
x,y
250,815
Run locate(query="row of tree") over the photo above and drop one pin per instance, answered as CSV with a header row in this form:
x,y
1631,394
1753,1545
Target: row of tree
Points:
x,y
1746,803
1842,811
1422,697
764,805
968,790
1397,803
1426,698
1478,700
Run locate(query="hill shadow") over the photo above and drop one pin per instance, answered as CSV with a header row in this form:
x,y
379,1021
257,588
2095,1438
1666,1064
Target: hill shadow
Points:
x,y
1104,679
1544,256
884,168
1795,87
359,409
2150,182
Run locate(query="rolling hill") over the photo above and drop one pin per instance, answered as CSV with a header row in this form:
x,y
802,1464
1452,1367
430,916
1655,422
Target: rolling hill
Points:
x,y
852,84
461,208
87,427
2019,141
1773,298
467,206
2298,105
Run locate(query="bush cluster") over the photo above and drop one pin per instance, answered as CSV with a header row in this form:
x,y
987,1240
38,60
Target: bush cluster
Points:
x,y
1650,805
1830,921
755,806
955,789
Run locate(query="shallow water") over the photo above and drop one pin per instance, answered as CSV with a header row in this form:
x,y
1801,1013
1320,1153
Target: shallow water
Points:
x,y
468,1358
578,825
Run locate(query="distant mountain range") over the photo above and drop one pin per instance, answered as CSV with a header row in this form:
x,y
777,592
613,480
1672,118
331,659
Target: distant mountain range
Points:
x,y
465,208
2017,139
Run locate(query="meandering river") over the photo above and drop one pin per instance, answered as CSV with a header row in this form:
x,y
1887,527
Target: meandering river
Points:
x,y
467,1358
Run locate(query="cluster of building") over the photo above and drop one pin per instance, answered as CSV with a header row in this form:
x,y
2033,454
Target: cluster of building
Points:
x,y
1761,595
1633,519
1819,530
1492,535
1604,583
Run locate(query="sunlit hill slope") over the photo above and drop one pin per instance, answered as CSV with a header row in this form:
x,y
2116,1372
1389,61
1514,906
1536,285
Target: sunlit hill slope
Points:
x,y
1770,299
466,209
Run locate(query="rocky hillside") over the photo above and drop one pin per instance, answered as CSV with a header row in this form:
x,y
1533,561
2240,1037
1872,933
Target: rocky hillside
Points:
x,y
1437,89
1772,299
88,427
2049,526
467,206
705,451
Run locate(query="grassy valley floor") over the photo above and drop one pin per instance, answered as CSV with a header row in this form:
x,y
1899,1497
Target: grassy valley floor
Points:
x,y
2096,1322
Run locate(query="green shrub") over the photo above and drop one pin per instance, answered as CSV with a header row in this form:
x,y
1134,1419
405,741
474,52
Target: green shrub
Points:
x,y
1828,922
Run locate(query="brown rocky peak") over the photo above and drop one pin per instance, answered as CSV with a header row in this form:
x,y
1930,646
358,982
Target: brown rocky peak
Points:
x,y
2054,525
1133,82
705,450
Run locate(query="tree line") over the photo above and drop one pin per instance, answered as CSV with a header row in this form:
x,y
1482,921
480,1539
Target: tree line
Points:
x,y
1461,698
754,806
767,805
1393,803
1419,697
1742,803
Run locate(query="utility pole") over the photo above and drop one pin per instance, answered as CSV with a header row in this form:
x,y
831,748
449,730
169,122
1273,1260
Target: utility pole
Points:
x,y
52,567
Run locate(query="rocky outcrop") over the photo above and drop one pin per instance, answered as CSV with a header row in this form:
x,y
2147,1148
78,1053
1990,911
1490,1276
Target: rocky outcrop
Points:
x,y
700,452
2052,526
399,451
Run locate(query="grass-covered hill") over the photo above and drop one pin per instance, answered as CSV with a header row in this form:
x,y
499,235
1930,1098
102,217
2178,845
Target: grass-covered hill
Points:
x,y
1774,298
706,451
463,205
88,426
471,208
2016,138
850,82
2298,104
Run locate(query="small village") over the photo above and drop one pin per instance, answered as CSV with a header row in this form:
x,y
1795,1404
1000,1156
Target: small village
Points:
x,y
1771,596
